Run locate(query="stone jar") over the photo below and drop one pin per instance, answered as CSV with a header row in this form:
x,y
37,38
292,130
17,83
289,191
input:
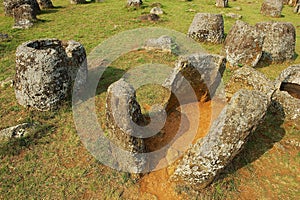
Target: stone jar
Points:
x,y
46,70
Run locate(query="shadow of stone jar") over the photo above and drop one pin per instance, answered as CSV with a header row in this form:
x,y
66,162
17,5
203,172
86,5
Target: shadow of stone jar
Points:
x,y
46,70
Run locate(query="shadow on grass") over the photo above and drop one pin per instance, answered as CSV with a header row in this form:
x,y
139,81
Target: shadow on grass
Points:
x,y
260,141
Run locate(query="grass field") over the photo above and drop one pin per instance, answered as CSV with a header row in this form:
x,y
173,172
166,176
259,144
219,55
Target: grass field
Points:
x,y
52,163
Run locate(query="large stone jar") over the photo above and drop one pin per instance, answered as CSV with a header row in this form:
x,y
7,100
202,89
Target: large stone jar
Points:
x,y
46,70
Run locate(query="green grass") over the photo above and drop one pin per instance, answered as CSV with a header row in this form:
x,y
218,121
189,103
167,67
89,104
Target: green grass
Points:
x,y
52,163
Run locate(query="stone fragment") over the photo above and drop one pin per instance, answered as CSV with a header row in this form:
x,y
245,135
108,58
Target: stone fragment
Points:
x,y
18,131
202,72
163,43
222,3
279,41
135,3
249,79
9,5
45,72
225,139
243,45
77,1
44,4
272,8
149,17
297,8
234,16
123,114
157,11
286,98
207,27
24,17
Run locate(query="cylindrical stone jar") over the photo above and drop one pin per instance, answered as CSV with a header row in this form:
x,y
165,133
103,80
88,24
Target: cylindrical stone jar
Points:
x,y
46,70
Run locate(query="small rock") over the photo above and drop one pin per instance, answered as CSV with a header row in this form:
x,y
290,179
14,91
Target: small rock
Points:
x,y
17,131
272,8
135,3
157,11
77,1
207,27
45,4
4,37
238,8
163,43
149,17
222,3
297,8
234,16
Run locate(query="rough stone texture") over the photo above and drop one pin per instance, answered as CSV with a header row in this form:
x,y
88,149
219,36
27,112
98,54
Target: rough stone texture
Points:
x,y
287,94
250,79
77,1
24,16
202,71
293,2
45,72
243,45
157,11
279,41
163,43
272,8
135,3
207,27
149,17
227,136
297,8
234,16
123,114
222,3
17,131
9,5
44,4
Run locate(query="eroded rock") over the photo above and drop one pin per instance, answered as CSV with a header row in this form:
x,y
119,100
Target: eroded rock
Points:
x,y
45,72
227,136
279,41
18,131
44,4
24,17
297,8
77,1
163,43
135,3
272,8
249,79
9,5
157,11
234,16
243,45
286,98
202,72
123,114
207,27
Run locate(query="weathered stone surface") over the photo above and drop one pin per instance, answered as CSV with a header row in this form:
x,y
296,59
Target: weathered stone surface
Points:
x,y
149,17
279,41
234,16
135,3
44,4
272,8
227,136
24,16
287,94
45,72
222,3
207,27
123,114
297,8
293,2
243,45
9,5
249,79
203,73
157,11
163,43
17,131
